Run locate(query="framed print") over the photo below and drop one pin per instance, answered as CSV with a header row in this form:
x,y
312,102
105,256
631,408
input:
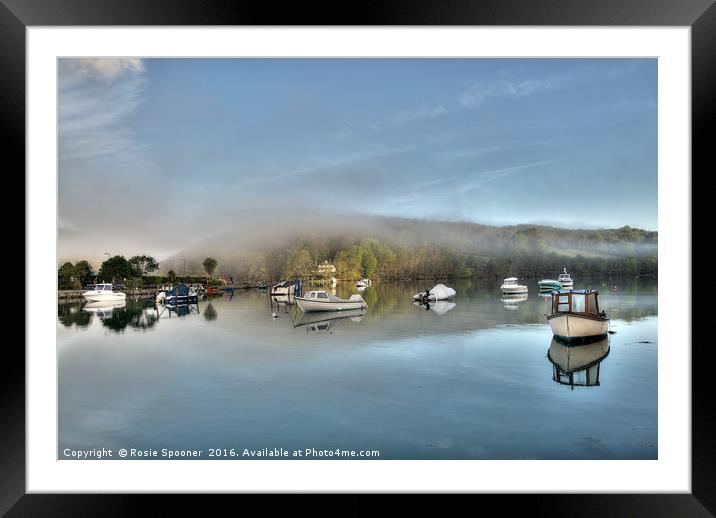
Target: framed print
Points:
x,y
417,254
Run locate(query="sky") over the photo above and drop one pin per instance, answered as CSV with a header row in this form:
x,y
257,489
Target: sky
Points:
x,y
153,152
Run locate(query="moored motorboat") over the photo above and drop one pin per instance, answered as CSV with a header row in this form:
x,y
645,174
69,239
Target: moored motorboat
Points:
x,y
549,285
575,316
103,292
438,292
284,288
181,294
510,286
320,300
565,279
363,283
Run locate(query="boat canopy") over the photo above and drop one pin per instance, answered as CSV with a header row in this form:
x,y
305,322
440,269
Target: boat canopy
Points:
x,y
511,279
575,301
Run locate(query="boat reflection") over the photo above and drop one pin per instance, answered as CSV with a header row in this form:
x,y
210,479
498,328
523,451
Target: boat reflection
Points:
x,y
322,321
177,310
512,302
440,307
103,308
577,365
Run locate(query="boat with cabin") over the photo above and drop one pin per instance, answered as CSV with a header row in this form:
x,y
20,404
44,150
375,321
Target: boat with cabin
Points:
x,y
103,292
565,279
576,317
181,294
285,287
549,285
510,286
363,283
319,300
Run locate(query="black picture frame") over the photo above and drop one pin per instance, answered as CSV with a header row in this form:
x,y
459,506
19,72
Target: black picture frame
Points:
x,y
700,15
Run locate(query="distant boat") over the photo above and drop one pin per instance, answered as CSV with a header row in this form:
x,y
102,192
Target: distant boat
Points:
x,y
103,292
334,281
565,279
575,316
323,301
284,288
212,290
363,283
549,284
438,292
510,286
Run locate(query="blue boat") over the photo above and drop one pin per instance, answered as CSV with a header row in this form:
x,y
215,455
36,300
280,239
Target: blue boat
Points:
x,y
181,294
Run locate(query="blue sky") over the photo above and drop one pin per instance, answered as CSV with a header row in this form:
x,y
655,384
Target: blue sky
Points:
x,y
567,142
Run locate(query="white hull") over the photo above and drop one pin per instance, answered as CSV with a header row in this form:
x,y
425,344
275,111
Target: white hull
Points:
x,y
104,297
308,306
290,290
513,290
574,326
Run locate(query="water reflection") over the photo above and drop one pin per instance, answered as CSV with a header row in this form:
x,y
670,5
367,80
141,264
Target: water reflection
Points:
x,y
210,313
325,321
178,310
577,365
512,302
440,307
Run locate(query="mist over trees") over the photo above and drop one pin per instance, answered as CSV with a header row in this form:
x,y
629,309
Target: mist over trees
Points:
x,y
398,248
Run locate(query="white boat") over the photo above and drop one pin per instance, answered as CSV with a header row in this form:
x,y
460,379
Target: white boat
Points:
x,y
510,286
334,281
103,292
363,283
320,300
575,316
438,292
284,288
565,279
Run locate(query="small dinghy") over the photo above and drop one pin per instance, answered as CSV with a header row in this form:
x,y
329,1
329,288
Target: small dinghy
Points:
x,y
439,292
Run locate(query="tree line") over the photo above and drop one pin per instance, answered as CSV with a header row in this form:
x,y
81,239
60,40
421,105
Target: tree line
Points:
x,y
117,269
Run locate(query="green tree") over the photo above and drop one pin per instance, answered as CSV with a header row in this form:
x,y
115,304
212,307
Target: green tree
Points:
x,y
369,264
142,265
299,263
209,265
65,275
116,267
171,274
82,272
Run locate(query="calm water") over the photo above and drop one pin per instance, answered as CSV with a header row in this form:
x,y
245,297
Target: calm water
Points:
x,y
469,380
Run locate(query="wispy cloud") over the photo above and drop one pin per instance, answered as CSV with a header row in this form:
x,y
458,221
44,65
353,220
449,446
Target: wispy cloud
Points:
x,y
95,98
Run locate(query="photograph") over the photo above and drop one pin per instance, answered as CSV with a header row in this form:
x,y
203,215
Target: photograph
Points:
x,y
357,258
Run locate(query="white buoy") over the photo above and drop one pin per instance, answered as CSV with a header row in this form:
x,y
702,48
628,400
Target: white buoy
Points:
x,y
274,315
